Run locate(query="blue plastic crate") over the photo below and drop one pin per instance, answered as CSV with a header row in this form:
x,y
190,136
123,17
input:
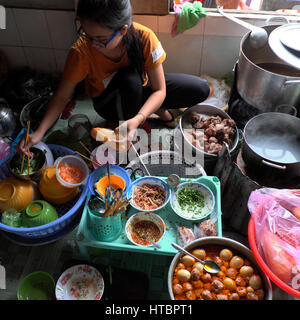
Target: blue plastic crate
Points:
x,y
86,239
66,212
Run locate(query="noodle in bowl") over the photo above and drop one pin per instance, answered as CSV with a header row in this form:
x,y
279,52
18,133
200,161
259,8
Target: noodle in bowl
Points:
x,y
149,194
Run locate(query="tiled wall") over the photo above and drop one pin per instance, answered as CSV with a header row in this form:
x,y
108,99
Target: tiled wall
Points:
x,y
41,38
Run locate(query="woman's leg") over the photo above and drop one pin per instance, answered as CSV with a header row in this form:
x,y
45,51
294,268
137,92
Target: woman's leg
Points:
x,y
184,91
128,85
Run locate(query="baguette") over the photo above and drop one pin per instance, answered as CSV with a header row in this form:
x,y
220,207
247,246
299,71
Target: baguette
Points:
x,y
109,137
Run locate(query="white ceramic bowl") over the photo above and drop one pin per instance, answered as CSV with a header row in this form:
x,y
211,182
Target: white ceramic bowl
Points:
x,y
152,181
209,201
143,216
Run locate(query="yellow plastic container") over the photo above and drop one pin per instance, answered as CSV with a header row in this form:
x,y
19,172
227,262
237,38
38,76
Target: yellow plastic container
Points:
x,y
52,190
16,193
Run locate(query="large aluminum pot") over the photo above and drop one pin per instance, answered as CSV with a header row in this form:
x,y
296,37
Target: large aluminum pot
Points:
x,y
264,80
272,143
223,242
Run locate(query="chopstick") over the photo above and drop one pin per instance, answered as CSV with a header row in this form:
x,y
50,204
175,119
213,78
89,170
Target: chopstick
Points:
x,y
87,158
26,142
87,149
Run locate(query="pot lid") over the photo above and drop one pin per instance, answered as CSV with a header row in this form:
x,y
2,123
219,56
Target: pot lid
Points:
x,y
285,43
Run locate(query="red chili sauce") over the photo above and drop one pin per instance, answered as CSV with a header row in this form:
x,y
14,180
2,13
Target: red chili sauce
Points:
x,y
143,230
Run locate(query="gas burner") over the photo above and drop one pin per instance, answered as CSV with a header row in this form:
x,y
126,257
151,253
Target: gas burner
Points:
x,y
265,177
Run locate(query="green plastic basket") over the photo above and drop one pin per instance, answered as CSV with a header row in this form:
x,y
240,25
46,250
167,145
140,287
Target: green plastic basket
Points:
x,y
86,239
104,228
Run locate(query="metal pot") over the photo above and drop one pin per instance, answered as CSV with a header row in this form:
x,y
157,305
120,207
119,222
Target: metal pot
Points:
x,y
205,110
223,242
272,142
264,80
7,119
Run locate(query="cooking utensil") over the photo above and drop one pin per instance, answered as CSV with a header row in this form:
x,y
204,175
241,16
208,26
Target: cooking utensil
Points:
x,y
96,204
7,119
284,42
173,180
87,158
148,238
264,80
208,265
272,142
258,36
133,147
222,243
90,153
108,173
205,110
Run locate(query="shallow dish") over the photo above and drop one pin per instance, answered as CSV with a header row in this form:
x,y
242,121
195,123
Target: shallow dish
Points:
x,y
144,218
37,286
80,282
153,181
208,201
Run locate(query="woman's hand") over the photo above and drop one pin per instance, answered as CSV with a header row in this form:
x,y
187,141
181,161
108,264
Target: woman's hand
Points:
x,y
126,131
33,139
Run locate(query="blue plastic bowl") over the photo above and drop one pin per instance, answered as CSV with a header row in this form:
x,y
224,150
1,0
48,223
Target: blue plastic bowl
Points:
x,y
97,174
149,180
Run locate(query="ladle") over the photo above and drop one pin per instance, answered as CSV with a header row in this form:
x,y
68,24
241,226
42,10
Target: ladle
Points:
x,y
208,265
258,36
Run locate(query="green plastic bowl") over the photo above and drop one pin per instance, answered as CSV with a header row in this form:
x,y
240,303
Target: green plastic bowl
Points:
x,y
37,286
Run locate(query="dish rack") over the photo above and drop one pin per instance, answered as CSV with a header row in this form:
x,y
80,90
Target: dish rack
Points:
x,y
85,238
66,212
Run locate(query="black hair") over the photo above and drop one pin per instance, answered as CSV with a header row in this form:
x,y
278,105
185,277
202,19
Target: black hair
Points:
x,y
114,14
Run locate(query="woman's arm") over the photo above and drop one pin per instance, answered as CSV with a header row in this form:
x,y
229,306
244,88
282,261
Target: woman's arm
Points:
x,y
152,104
158,85
55,107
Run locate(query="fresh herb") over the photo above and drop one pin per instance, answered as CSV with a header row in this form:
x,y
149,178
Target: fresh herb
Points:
x,y
190,199
36,163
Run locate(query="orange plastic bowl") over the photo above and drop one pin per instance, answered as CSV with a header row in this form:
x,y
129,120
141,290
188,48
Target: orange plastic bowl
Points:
x,y
252,242
115,181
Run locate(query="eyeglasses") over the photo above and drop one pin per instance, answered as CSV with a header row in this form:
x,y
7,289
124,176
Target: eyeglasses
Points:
x,y
101,44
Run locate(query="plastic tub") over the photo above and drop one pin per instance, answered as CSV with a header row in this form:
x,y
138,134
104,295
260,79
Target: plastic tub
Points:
x,y
252,242
76,162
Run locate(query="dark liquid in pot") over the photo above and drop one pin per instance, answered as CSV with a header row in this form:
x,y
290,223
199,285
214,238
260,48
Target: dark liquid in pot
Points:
x,y
281,69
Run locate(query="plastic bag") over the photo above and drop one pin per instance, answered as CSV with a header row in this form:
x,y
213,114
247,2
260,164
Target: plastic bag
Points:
x,y
277,230
207,228
4,149
185,235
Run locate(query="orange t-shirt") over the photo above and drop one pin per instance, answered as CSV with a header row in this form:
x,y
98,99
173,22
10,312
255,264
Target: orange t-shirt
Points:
x,y
86,62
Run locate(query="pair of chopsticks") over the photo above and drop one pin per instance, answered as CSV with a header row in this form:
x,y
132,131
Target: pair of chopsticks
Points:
x,y
26,142
116,208
94,160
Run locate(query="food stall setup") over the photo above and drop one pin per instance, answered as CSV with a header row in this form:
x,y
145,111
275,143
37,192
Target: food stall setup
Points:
x,y
226,227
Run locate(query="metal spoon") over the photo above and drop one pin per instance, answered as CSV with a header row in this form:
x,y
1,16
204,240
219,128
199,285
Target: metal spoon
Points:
x,y
208,265
147,238
108,173
173,180
96,204
258,36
